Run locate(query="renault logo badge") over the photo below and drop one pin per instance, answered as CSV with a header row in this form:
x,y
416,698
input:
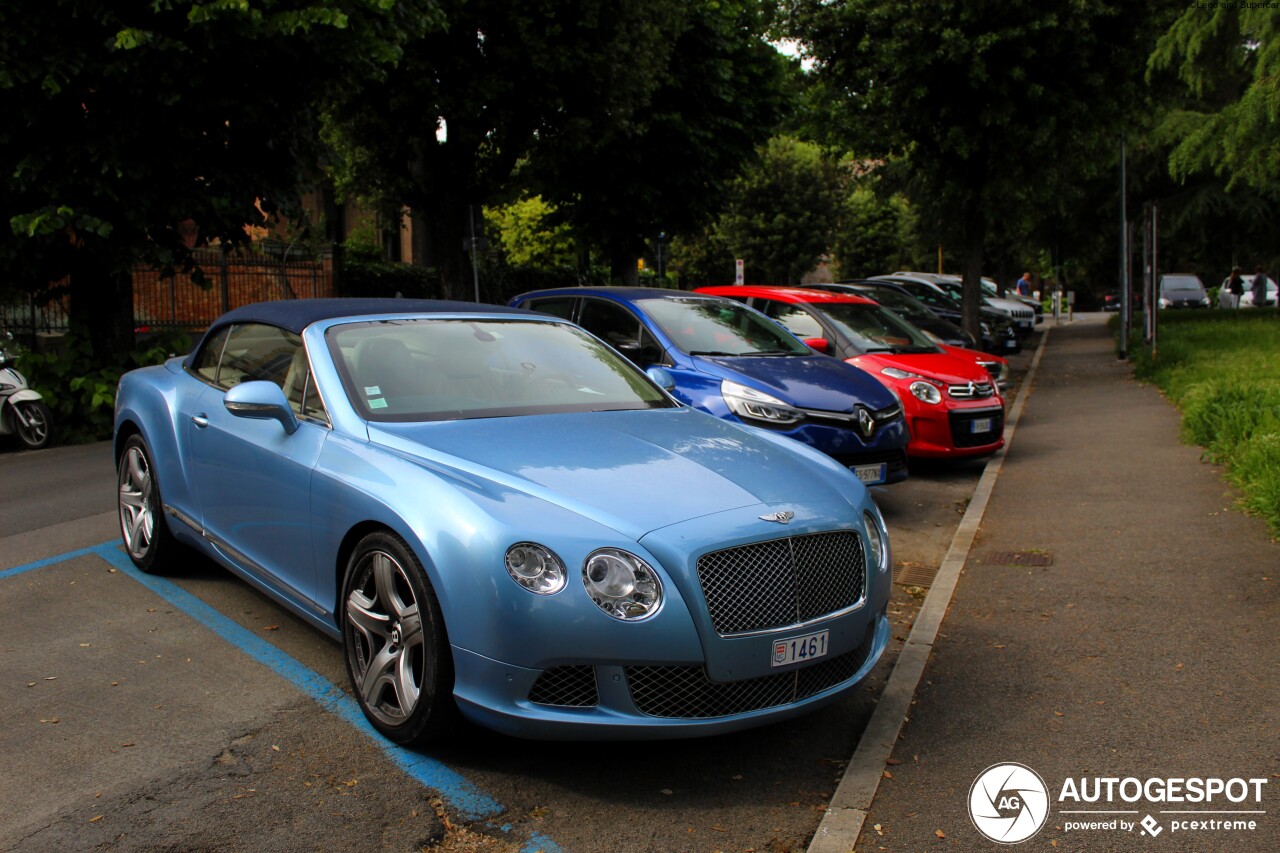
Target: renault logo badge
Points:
x,y
782,517
866,422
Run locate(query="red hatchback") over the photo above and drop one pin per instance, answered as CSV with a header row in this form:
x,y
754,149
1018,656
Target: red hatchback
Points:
x,y
953,408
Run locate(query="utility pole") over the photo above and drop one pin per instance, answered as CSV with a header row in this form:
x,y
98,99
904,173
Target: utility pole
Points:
x,y
1125,297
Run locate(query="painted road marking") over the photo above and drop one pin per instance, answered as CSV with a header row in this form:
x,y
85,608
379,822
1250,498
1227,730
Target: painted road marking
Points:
x,y
461,795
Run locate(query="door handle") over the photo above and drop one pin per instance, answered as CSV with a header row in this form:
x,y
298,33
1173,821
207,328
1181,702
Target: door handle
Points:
x,y
201,420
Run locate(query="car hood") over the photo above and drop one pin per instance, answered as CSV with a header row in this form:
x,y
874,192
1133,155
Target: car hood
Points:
x,y
633,471
942,366
808,382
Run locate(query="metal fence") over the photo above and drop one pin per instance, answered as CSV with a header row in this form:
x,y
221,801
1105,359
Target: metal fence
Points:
x,y
178,302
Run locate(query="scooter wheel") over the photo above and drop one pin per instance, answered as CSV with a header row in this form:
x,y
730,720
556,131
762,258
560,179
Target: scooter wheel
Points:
x,y
34,433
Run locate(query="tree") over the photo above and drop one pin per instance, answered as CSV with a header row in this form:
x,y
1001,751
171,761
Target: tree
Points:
x,y
781,214
874,234
667,169
131,131
446,131
989,102
1229,57
525,233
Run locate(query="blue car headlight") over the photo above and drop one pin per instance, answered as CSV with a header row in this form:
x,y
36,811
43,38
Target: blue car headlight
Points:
x,y
536,568
876,541
622,585
756,405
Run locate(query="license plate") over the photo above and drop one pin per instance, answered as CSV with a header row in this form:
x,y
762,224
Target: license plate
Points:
x,y
869,474
797,649
980,425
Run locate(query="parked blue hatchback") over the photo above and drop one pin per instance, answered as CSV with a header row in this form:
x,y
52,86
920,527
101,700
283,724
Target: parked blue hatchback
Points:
x,y
732,361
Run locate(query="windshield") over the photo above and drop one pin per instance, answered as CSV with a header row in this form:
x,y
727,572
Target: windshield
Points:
x,y
450,369
933,298
873,328
720,327
900,303
1180,282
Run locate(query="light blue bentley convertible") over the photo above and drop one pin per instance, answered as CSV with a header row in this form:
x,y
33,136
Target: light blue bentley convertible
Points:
x,y
500,517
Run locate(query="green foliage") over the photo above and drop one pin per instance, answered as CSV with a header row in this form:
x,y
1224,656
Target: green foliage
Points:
x,y
364,275
527,235
80,389
1228,56
1222,369
874,234
781,214
124,124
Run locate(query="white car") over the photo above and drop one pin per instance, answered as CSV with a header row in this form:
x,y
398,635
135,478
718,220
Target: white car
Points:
x,y
1246,301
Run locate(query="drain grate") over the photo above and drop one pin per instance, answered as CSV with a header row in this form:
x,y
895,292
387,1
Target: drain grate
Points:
x,y
1018,558
913,574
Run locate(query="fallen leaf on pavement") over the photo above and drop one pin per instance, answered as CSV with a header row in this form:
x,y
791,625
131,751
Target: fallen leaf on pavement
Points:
x,y
939,833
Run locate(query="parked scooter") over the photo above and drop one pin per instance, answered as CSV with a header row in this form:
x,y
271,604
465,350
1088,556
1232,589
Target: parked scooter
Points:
x,y
22,410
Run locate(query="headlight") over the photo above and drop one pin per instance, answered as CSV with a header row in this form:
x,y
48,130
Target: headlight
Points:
x,y
1163,303
876,542
1204,301
922,390
898,373
756,405
535,567
622,585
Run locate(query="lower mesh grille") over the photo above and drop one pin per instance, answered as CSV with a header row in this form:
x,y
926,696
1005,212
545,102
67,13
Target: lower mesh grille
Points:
x,y
685,692
566,686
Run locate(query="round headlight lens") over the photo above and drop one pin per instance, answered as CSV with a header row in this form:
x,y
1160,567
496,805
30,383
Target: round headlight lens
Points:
x,y
622,585
536,568
876,542
926,392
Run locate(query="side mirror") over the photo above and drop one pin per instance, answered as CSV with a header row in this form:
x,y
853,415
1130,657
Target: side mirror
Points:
x,y
820,344
638,353
261,400
662,377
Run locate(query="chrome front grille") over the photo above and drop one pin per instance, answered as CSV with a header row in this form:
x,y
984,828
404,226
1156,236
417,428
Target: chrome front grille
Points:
x,y
971,390
566,686
685,692
782,582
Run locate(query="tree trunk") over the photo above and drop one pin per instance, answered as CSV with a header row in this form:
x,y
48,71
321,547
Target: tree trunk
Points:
x,y
975,231
102,308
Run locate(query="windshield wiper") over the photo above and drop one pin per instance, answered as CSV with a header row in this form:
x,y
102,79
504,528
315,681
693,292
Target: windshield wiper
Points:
x,y
711,352
772,352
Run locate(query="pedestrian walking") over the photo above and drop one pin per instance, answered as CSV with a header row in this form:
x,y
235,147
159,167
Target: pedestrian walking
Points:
x,y
1259,288
1024,284
1235,286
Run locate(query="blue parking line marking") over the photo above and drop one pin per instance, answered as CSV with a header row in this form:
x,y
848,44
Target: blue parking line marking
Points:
x,y
464,797
40,564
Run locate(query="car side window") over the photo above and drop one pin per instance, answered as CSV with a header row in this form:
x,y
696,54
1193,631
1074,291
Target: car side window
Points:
x,y
794,319
255,351
206,361
622,329
559,306
300,390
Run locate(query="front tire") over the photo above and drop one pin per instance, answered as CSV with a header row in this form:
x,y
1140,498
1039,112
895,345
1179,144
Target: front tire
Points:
x,y
34,433
394,640
142,524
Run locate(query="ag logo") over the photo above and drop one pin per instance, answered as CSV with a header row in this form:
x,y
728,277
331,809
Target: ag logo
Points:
x,y
1008,803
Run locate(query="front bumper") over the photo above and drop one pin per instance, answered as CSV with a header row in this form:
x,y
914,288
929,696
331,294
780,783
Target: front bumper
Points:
x,y
940,432
636,702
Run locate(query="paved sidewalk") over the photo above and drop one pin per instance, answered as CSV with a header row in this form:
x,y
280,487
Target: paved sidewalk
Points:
x,y
1148,648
